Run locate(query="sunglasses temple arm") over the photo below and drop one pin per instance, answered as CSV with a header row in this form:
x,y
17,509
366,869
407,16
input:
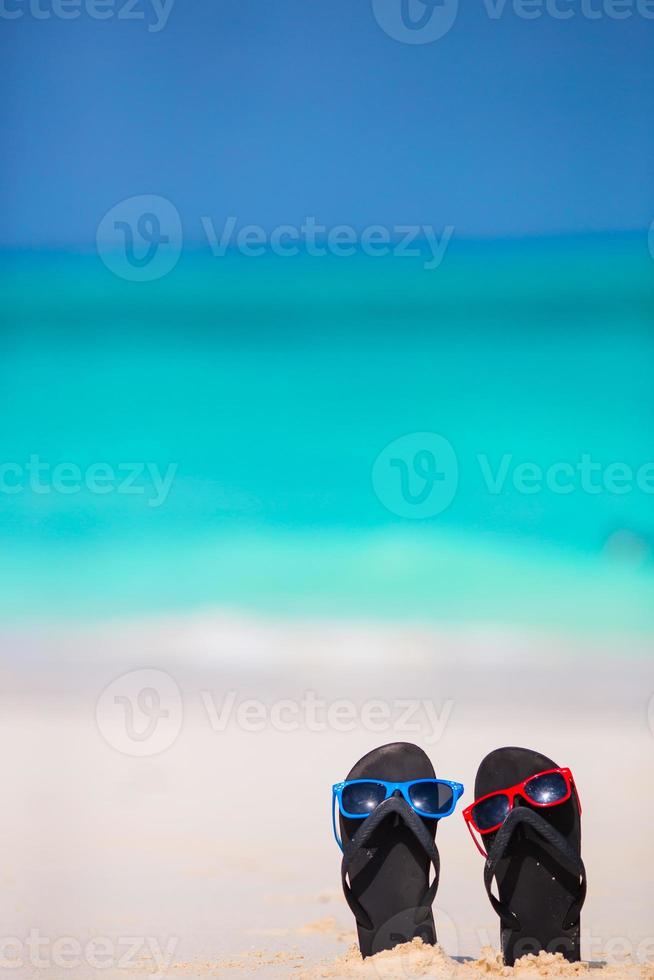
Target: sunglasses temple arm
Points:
x,y
477,844
334,827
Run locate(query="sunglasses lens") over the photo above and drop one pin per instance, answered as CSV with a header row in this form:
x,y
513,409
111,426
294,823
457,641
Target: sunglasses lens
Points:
x,y
432,797
551,788
362,798
491,812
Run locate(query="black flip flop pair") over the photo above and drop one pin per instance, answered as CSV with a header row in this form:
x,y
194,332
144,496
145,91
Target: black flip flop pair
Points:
x,y
534,855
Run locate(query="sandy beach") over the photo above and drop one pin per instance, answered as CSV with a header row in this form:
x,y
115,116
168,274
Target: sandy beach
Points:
x,y
169,813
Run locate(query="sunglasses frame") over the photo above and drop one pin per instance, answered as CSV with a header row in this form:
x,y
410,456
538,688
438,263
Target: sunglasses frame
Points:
x,y
519,790
391,788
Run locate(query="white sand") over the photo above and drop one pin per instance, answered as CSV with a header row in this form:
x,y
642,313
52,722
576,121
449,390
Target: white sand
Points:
x,y
215,856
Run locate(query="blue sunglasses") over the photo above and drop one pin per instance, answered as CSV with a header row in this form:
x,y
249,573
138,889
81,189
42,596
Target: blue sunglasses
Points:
x,y
357,798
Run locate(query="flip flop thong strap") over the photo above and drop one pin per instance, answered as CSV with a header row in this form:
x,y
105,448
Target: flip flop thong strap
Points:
x,y
359,841
524,815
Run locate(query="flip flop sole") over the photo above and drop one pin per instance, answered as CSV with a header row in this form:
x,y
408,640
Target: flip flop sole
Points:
x,y
533,878
391,876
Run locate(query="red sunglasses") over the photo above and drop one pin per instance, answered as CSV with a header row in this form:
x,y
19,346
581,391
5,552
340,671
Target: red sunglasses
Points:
x,y
488,813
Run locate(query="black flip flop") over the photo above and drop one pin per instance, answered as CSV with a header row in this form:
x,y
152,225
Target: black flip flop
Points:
x,y
387,857
535,857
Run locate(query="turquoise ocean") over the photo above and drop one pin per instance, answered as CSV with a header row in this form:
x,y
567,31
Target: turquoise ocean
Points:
x,y
271,385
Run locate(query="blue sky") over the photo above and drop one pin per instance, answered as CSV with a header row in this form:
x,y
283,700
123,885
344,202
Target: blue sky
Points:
x,y
271,111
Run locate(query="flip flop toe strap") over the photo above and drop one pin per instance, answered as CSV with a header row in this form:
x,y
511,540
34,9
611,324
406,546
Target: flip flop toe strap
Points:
x,y
364,833
552,836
